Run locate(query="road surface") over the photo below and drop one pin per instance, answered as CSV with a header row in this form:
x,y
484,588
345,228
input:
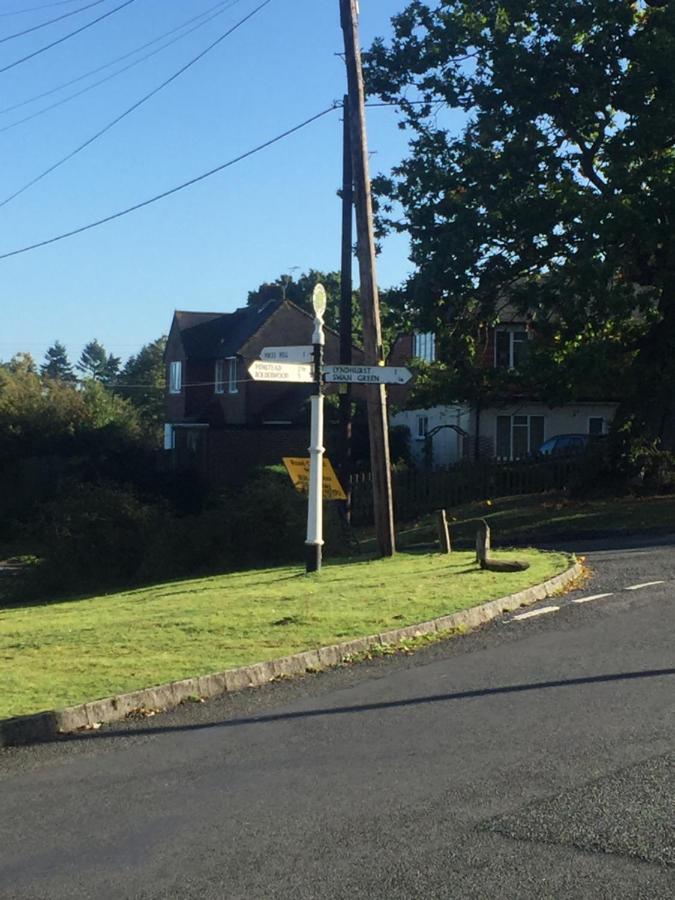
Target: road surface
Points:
x,y
530,759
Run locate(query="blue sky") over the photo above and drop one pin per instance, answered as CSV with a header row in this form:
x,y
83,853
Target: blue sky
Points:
x,y
207,246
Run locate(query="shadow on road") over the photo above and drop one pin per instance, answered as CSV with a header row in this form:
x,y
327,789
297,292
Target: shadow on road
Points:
x,y
373,707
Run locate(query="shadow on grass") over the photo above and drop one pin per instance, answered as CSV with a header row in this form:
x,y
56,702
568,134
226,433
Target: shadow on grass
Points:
x,y
376,707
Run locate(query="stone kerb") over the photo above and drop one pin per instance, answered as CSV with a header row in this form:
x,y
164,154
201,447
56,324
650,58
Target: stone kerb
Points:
x,y
47,725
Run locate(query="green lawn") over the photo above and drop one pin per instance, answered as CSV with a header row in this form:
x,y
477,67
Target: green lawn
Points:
x,y
538,517
62,653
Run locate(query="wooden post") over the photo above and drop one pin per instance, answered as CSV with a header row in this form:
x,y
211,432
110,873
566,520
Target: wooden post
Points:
x,y
483,544
372,334
443,533
346,325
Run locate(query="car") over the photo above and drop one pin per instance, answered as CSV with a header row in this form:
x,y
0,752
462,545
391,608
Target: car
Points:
x,y
564,444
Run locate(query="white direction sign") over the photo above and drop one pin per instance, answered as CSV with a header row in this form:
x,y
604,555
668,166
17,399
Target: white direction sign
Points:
x,y
288,354
262,370
367,374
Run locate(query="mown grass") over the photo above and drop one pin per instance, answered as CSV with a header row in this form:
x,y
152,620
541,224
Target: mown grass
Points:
x,y
66,652
544,517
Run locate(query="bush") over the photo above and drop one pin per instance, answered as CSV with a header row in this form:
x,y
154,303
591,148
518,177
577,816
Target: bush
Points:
x,y
94,536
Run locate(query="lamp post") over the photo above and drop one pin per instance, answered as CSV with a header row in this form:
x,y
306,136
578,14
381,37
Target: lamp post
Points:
x,y
314,541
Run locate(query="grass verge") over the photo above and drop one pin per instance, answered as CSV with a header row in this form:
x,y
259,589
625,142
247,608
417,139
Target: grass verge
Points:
x,y
67,652
543,517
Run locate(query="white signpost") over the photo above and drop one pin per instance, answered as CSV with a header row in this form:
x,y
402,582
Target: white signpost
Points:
x,y
304,365
261,370
366,375
288,354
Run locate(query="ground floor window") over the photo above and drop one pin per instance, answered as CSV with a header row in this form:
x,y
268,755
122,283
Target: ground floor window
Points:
x,y
596,425
422,427
519,436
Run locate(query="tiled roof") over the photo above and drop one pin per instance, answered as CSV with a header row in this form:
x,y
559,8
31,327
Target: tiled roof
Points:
x,y
217,335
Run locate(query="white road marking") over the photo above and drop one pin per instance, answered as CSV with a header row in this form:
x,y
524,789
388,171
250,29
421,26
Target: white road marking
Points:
x,y
636,587
592,597
536,612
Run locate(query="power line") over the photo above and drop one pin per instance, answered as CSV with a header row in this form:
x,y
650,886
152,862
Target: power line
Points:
x,y
134,106
174,190
136,62
64,38
73,12
227,4
20,12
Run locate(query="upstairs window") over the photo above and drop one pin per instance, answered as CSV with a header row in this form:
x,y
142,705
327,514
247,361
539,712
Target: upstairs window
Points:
x,y
422,427
219,377
175,377
424,346
232,384
510,348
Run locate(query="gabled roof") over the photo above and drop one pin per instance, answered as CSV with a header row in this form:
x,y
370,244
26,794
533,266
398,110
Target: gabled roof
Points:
x,y
216,335
186,319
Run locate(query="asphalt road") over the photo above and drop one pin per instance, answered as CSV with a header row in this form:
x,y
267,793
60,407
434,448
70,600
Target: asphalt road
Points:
x,y
530,759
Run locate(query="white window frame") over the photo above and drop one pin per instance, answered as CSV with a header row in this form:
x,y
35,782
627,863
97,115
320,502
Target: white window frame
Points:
x,y
604,424
424,346
175,377
232,375
511,331
422,428
219,377
511,431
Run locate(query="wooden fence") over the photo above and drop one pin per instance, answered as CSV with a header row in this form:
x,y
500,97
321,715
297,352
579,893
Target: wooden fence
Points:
x,y
420,492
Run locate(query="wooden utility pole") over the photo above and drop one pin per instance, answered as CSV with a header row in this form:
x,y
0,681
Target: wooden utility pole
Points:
x,y
346,325
370,307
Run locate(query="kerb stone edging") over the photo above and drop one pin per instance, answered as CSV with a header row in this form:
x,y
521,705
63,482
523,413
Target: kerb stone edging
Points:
x,y
47,725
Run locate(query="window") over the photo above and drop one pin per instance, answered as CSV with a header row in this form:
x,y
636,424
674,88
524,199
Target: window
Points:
x,y
510,348
596,425
519,436
169,437
219,377
422,427
175,377
232,386
424,346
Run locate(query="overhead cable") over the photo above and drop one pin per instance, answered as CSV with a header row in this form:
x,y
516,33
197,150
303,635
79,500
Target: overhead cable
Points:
x,y
174,190
30,9
65,37
221,7
72,12
134,106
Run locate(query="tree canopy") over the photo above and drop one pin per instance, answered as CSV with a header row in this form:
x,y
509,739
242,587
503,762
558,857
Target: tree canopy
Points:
x,y
57,364
557,196
299,291
142,382
95,362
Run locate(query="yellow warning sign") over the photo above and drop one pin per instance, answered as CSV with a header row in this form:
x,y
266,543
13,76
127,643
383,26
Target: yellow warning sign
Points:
x,y
298,469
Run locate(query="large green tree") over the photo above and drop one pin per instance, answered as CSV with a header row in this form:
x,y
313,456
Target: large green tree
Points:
x,y
557,195
142,382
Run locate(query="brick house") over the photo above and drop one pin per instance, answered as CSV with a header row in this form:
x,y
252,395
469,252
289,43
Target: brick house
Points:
x,y
512,428
217,418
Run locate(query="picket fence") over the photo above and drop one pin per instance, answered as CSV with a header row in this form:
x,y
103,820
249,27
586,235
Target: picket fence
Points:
x,y
419,492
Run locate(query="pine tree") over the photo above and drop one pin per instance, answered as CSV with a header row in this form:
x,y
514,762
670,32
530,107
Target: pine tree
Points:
x,y
57,364
95,363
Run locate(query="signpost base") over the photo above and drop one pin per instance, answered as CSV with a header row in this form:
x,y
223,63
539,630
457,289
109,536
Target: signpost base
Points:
x,y
313,557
